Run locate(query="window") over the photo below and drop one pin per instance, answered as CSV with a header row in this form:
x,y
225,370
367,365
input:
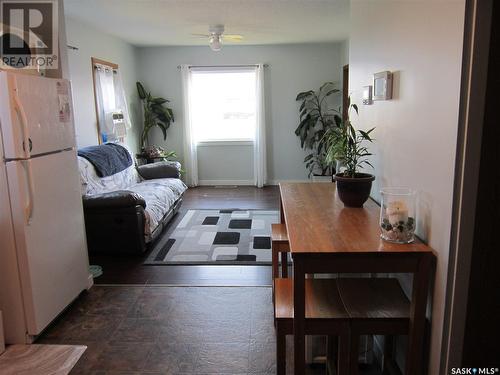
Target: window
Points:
x,y
223,104
111,104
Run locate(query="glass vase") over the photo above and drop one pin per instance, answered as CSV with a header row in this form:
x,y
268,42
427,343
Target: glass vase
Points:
x,y
398,215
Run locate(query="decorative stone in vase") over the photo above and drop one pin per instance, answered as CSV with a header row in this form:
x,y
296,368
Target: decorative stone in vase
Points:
x,y
398,215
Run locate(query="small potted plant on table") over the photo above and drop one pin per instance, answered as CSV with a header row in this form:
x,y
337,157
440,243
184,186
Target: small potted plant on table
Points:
x,y
346,144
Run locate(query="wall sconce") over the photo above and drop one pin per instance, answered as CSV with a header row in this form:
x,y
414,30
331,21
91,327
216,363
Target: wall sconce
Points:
x,y
367,95
382,86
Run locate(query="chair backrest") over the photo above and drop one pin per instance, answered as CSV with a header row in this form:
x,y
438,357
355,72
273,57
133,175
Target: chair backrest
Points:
x,y
92,184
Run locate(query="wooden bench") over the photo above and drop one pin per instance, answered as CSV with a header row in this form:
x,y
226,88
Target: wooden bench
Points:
x,y
280,246
325,315
375,306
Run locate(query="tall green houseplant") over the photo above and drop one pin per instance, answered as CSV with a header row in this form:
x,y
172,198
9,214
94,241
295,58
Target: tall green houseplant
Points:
x,y
156,113
316,118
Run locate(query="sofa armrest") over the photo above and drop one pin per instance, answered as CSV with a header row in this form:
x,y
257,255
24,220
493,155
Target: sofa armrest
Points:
x,y
161,169
114,199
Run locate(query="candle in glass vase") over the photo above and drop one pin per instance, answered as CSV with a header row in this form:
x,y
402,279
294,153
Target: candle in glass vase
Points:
x,y
397,211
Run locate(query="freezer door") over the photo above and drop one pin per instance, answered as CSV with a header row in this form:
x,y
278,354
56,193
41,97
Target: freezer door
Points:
x,y
50,235
36,115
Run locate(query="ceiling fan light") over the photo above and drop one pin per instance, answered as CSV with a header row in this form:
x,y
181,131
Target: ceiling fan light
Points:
x,y
215,43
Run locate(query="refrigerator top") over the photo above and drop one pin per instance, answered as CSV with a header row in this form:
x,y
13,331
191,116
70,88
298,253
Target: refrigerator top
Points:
x,y
36,115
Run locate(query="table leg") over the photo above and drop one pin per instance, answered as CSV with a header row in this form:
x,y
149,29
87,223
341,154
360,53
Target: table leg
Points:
x,y
282,214
275,260
280,351
299,316
415,353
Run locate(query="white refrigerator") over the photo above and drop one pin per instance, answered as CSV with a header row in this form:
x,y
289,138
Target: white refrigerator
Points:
x,y
43,253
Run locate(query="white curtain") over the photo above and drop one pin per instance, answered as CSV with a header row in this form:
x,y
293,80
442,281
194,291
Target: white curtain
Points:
x,y
190,146
105,93
110,98
120,98
259,148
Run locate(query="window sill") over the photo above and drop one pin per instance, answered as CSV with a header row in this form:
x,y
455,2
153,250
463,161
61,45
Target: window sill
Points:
x,y
242,142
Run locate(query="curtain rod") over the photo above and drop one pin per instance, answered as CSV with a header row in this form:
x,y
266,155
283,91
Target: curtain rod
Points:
x,y
223,66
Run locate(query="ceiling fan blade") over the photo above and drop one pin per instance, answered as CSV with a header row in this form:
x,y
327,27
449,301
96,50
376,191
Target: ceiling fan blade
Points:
x,y
233,37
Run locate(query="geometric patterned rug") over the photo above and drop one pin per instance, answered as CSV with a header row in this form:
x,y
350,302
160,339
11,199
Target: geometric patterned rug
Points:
x,y
218,237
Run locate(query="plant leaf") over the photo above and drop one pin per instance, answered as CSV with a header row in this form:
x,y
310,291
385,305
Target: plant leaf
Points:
x,y
141,91
163,130
355,108
171,114
160,101
303,95
332,92
325,85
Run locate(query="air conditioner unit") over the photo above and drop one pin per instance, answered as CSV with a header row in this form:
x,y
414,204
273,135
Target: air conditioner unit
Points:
x,y
115,124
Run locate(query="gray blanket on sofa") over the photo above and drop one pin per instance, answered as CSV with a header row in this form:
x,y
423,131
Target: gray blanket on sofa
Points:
x,y
107,159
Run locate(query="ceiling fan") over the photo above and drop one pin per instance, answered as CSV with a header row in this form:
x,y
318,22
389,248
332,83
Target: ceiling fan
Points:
x,y
216,36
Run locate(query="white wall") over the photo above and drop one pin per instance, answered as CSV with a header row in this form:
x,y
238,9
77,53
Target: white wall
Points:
x,y
421,42
92,43
292,68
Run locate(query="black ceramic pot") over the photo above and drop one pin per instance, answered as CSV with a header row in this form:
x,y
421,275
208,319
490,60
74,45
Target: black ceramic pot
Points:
x,y
354,192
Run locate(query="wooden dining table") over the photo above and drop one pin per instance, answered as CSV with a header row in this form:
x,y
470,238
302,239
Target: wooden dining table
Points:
x,y
326,237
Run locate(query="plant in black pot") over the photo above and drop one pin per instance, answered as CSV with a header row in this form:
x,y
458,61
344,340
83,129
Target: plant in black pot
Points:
x,y
317,116
347,145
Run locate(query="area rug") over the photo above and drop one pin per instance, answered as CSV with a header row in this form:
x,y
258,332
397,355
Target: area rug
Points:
x,y
218,237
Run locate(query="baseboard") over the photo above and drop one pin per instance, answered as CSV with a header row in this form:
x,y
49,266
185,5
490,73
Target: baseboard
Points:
x,y
225,182
245,182
90,281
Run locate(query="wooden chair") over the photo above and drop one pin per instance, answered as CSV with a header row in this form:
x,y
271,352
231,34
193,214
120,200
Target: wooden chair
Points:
x,y
375,306
325,315
280,247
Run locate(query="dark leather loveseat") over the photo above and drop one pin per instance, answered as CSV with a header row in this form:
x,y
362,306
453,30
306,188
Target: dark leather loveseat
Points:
x,y
128,210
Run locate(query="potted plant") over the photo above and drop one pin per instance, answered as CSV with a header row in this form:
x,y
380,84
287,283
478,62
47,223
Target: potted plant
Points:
x,y
316,118
156,113
346,144
157,153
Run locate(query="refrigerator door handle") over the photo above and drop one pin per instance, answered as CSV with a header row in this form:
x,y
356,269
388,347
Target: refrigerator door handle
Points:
x,y
30,206
27,145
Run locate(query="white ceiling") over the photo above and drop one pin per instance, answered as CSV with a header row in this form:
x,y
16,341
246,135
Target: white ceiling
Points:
x,y
171,22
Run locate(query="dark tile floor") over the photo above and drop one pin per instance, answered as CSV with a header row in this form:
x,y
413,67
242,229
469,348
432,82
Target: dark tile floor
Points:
x,y
170,330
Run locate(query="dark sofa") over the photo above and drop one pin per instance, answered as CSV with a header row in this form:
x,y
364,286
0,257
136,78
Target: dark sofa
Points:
x,y
128,210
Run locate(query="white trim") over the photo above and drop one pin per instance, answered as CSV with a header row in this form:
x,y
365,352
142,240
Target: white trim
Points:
x,y
236,142
90,281
225,182
188,285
